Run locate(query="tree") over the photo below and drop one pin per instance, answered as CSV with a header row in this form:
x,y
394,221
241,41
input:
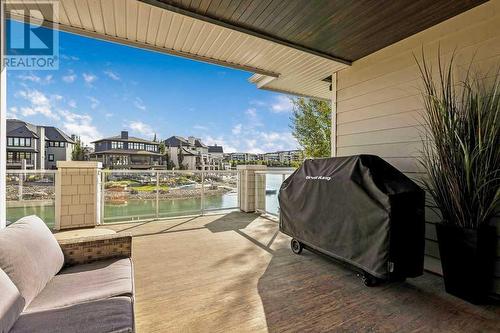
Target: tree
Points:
x,y
311,126
154,138
161,147
78,153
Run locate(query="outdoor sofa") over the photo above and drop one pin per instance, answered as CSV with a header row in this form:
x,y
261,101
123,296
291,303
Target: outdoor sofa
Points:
x,y
78,285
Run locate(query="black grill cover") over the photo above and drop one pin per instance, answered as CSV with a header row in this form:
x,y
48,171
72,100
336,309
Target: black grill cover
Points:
x,y
359,209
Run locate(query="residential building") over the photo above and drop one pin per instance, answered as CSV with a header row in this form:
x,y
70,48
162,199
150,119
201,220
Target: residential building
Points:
x,y
216,157
241,157
127,152
284,157
36,147
192,154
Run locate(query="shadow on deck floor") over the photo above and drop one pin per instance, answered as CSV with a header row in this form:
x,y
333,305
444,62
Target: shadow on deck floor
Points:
x,y
235,273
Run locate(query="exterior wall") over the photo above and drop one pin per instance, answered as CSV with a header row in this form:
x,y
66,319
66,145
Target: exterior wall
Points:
x,y
60,154
379,104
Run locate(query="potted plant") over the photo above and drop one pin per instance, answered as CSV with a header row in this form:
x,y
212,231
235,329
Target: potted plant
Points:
x,y
461,155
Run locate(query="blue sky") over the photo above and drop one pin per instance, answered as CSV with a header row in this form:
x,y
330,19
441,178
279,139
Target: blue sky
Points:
x,y
102,88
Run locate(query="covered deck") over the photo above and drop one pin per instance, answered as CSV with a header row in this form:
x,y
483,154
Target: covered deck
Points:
x,y
236,273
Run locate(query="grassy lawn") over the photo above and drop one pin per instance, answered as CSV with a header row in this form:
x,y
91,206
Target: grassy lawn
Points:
x,y
150,188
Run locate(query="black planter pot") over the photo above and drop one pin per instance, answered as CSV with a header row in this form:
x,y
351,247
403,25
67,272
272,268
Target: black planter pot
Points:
x,y
467,259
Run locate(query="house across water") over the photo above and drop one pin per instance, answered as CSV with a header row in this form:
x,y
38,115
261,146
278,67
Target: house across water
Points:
x,y
36,147
127,152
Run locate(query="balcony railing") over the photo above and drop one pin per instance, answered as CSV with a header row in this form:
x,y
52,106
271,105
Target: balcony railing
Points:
x,y
131,195
31,192
139,195
268,183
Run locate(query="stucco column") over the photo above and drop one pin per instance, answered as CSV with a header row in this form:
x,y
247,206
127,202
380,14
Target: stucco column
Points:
x,y
78,201
248,185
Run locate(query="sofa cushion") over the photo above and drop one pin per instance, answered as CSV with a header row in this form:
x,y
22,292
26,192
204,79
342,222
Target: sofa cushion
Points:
x,y
110,315
83,283
30,255
11,303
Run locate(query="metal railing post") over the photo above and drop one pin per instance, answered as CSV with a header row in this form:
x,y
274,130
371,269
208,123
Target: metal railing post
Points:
x,y
103,195
202,193
157,214
20,188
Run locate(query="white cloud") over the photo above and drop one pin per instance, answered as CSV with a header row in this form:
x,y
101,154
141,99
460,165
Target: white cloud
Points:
x,y
236,129
70,77
12,113
281,104
140,127
138,103
253,118
68,57
258,103
80,125
30,77
200,127
94,102
112,75
252,112
36,79
72,103
89,78
109,115
39,104
228,147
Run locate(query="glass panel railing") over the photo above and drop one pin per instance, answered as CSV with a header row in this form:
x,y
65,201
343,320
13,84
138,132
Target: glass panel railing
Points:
x,y
31,192
267,186
141,195
129,195
220,191
180,193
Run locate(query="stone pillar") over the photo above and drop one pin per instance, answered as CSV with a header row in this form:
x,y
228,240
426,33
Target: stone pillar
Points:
x,y
77,194
248,186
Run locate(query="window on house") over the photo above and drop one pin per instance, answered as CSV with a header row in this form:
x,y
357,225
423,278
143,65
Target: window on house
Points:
x,y
116,145
51,157
16,142
10,141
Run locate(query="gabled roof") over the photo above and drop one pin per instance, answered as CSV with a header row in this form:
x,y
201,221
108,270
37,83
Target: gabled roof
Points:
x,y
215,149
129,139
21,129
186,152
55,134
176,141
199,144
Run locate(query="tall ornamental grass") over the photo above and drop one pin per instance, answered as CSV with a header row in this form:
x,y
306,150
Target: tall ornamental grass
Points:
x,y
461,143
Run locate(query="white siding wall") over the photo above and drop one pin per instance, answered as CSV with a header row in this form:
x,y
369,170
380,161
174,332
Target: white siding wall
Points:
x,y
379,104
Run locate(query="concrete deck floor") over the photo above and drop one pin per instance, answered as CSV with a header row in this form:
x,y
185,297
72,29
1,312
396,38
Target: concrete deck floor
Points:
x,y
236,273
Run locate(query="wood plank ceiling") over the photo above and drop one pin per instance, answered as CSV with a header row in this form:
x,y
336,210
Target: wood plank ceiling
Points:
x,y
292,45
344,30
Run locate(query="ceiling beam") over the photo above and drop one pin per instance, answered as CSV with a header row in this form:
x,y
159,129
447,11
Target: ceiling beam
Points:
x,y
247,31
